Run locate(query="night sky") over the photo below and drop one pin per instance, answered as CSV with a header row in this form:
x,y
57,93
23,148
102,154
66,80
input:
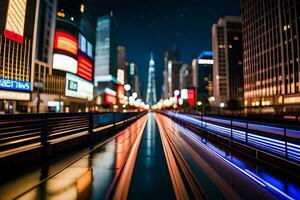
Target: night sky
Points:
x,y
159,25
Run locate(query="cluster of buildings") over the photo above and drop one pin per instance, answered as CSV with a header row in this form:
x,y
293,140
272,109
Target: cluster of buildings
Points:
x,y
254,61
55,58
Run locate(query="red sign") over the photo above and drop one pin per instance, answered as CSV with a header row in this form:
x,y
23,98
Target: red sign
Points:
x,y
192,96
120,90
13,36
85,68
109,99
65,42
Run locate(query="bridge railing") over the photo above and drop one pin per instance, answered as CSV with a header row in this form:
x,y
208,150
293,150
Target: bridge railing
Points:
x,y
277,139
28,131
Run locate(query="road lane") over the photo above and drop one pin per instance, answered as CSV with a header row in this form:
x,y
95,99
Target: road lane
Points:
x,y
151,179
217,179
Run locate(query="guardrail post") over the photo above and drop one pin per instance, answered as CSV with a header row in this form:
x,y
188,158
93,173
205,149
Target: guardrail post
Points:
x,y
285,143
231,132
91,126
246,134
114,118
44,136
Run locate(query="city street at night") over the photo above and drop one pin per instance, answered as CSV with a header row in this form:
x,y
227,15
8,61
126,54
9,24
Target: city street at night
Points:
x,y
154,158
149,99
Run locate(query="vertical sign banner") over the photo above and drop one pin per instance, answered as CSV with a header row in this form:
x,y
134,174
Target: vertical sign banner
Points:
x,y
14,27
192,96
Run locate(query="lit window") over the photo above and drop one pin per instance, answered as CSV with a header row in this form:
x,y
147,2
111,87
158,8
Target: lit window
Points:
x,y
82,8
60,14
236,38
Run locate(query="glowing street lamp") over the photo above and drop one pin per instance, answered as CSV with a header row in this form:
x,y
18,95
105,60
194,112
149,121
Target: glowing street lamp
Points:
x,y
134,95
127,87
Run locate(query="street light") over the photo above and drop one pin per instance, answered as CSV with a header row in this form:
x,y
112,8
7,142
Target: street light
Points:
x,y
222,105
134,95
127,87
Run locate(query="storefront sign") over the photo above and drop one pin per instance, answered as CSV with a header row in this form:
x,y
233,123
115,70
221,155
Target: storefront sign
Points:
x,y
14,85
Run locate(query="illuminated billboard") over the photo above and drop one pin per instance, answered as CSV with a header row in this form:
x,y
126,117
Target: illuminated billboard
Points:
x,y
65,42
64,63
78,87
85,68
14,85
14,27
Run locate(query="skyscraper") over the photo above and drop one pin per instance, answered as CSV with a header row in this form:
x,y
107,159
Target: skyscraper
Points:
x,y
133,78
185,77
105,76
46,31
271,33
228,60
151,87
106,49
171,71
204,73
18,28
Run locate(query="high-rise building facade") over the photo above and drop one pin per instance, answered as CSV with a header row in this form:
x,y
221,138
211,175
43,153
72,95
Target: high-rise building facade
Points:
x,y
172,65
204,74
173,77
185,77
106,48
133,78
106,55
151,86
18,27
46,31
271,32
228,60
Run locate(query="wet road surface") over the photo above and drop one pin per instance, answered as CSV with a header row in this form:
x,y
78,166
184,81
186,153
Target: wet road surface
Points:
x,y
154,158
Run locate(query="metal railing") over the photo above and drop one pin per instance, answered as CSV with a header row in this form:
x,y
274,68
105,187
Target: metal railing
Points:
x,y
279,140
28,131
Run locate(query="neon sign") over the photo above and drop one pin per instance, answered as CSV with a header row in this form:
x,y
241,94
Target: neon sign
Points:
x,y
85,68
65,42
14,85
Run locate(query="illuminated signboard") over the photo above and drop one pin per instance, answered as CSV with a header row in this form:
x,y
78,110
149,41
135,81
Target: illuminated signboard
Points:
x,y
85,68
109,99
65,42
184,94
78,87
192,96
14,85
64,63
14,27
120,90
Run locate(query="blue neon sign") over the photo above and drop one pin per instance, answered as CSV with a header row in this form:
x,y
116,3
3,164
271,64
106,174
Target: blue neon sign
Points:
x,y
14,85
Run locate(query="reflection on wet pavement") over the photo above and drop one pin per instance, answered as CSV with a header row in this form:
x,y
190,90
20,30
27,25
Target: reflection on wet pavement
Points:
x,y
93,176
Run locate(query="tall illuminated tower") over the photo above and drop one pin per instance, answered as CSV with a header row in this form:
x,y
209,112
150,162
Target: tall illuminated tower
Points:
x,y
151,88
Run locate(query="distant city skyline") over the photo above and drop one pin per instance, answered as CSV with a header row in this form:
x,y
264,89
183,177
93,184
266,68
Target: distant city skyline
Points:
x,y
157,26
